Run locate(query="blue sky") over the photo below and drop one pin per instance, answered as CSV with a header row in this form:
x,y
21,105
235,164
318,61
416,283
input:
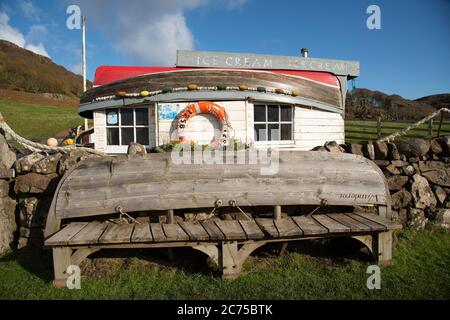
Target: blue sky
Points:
x,y
409,55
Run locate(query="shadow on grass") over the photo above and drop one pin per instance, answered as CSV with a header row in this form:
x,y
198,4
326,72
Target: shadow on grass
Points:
x,y
36,261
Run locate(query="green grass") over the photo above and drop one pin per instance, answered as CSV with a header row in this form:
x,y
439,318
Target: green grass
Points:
x,y
420,271
37,121
370,134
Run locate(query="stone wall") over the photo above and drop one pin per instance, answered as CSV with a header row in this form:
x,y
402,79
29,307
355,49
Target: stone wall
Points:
x,y
417,173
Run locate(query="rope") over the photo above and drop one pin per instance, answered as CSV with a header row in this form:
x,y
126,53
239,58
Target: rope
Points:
x,y
39,147
414,125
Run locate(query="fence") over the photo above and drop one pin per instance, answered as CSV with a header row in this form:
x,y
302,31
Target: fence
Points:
x,y
361,130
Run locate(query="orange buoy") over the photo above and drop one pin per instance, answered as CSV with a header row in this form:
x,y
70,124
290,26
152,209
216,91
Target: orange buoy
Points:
x,y
295,93
203,107
278,90
121,94
243,87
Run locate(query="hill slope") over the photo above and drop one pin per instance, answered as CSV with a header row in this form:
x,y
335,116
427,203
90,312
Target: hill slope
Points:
x,y
367,104
23,70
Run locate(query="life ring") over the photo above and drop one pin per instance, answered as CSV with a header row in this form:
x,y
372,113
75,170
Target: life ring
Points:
x,y
203,107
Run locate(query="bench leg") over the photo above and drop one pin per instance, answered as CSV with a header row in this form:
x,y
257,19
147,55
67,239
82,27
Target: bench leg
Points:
x,y
382,248
231,259
61,260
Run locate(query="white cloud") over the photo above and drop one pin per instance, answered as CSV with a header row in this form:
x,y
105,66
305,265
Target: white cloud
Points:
x,y
147,32
15,36
39,49
37,32
29,10
77,69
9,33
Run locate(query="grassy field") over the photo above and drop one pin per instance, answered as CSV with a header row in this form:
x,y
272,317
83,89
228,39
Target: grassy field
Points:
x,y
36,120
358,130
420,271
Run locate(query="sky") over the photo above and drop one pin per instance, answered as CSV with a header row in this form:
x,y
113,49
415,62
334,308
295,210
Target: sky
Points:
x,y
408,55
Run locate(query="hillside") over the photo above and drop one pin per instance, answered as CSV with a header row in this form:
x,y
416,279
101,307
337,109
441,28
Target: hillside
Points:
x,y
367,104
23,70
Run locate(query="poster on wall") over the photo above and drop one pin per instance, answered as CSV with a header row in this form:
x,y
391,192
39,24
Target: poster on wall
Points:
x,y
169,111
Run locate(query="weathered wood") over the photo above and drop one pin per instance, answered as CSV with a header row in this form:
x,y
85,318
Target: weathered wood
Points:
x,y
332,225
157,232
213,231
287,228
142,233
251,229
102,189
195,231
268,227
309,226
89,234
117,233
277,212
383,247
373,225
61,260
231,229
62,237
170,216
390,225
174,232
353,224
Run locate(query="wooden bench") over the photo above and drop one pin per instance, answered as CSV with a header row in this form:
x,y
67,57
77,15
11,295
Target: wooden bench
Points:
x,y
227,242
154,185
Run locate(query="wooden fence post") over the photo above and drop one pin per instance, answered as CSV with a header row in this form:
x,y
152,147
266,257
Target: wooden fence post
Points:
x,y
430,128
378,127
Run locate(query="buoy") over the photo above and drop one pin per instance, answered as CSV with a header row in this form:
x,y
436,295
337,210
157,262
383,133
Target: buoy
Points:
x,y
278,90
144,93
69,142
167,89
192,86
221,87
243,87
121,94
261,89
295,93
52,142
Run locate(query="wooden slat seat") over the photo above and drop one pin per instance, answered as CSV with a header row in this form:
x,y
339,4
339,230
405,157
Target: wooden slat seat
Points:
x,y
84,233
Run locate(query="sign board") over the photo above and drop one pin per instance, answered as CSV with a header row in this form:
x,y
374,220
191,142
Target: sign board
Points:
x,y
210,59
168,111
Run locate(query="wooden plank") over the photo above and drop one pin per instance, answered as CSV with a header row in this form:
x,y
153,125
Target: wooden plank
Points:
x,y
373,225
287,228
332,225
157,232
195,231
89,234
231,229
268,227
63,236
353,224
309,226
174,232
390,225
117,233
251,229
213,231
142,233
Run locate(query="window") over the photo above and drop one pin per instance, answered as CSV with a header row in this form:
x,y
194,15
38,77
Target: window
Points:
x,y
273,122
127,125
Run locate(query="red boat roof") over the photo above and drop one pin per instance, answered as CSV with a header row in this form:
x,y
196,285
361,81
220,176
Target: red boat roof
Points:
x,y
108,74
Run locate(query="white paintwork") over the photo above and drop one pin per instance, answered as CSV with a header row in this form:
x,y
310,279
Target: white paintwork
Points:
x,y
311,128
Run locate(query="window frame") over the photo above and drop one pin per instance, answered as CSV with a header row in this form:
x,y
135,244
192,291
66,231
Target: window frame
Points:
x,y
279,122
119,148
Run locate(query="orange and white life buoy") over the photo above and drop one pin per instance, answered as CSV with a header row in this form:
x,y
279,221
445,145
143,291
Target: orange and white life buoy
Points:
x,y
203,107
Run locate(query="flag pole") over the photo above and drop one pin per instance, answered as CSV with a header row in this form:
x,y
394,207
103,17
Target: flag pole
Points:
x,y
83,66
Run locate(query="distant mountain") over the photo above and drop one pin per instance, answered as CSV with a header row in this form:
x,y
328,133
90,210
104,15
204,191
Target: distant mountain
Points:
x,y
367,104
23,70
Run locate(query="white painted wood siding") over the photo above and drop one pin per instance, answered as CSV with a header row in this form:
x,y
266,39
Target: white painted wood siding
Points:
x,y
100,130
